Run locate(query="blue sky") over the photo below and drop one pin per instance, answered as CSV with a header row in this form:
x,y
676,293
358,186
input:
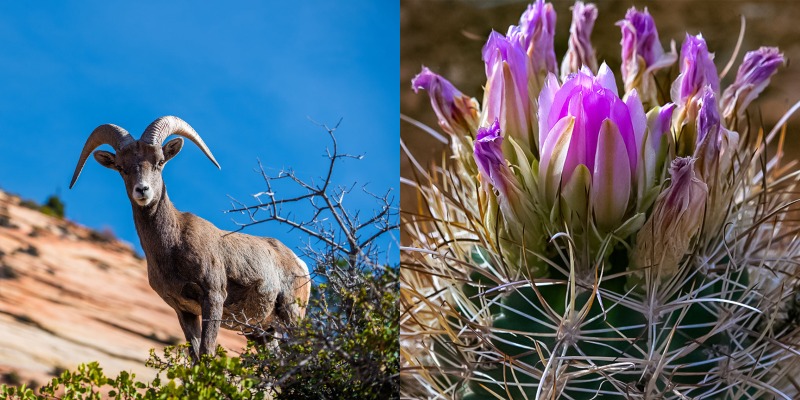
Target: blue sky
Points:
x,y
245,77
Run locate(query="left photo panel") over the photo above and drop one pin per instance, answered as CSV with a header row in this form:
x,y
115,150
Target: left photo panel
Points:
x,y
198,201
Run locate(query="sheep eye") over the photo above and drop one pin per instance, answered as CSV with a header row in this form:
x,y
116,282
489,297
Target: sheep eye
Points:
x,y
161,163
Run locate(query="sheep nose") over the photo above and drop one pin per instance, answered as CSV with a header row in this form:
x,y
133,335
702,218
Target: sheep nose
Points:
x,y
141,189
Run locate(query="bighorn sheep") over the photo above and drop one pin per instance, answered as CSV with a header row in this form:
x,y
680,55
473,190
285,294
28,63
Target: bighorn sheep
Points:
x,y
195,267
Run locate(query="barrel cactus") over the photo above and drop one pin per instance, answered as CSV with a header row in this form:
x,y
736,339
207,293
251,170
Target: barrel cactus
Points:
x,y
596,237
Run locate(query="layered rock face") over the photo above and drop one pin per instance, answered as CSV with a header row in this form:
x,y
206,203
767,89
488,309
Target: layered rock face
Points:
x,y
70,295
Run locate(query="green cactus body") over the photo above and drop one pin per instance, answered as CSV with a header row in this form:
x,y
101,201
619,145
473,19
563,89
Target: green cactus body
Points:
x,y
595,337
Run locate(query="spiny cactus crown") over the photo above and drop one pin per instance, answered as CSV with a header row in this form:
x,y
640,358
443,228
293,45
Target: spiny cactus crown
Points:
x,y
592,243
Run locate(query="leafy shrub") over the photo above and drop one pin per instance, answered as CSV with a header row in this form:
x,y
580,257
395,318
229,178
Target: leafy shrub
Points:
x,y
53,206
347,347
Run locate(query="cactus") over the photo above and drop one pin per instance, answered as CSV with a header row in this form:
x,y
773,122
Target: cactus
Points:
x,y
592,248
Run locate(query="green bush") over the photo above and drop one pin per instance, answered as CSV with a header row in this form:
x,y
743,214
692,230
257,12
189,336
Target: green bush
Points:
x,y
212,378
53,206
347,349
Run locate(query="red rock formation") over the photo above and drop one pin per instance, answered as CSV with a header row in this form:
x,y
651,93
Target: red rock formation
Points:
x,y
69,295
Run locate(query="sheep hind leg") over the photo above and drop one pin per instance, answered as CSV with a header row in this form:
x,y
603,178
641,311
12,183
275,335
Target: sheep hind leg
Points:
x,y
190,323
288,311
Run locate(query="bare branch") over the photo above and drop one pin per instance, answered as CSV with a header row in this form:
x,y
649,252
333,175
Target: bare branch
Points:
x,y
353,238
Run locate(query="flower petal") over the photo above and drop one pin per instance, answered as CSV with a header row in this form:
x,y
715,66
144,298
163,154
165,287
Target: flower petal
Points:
x,y
554,156
659,124
546,98
489,156
606,79
610,191
638,118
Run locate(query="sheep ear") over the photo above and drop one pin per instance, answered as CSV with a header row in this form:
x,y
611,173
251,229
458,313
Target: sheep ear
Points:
x,y
106,159
172,148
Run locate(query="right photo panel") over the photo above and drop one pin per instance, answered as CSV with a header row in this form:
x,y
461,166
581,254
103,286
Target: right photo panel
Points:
x,y
599,201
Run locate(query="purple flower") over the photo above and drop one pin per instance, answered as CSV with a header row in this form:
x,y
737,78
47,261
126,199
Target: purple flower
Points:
x,y
715,144
678,197
660,123
501,50
640,39
536,30
489,157
642,53
753,76
506,94
457,113
677,216
708,116
586,128
708,127
697,70
515,205
580,50
653,151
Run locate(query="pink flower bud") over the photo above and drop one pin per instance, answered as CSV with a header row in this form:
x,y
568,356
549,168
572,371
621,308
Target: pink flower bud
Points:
x,y
506,95
580,52
715,144
642,53
498,178
753,76
697,70
537,28
677,216
457,113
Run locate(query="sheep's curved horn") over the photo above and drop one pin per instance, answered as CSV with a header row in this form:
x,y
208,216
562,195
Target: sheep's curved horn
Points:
x,y
159,129
104,134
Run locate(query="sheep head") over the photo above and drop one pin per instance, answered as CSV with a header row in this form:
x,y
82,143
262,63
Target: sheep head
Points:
x,y
140,162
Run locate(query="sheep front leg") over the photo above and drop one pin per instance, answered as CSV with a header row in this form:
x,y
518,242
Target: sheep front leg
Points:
x,y
212,317
190,323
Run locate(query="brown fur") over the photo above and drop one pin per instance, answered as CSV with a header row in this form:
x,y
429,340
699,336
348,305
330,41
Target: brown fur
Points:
x,y
200,270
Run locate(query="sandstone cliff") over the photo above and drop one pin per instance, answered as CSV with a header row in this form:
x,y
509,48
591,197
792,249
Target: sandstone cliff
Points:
x,y
70,295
